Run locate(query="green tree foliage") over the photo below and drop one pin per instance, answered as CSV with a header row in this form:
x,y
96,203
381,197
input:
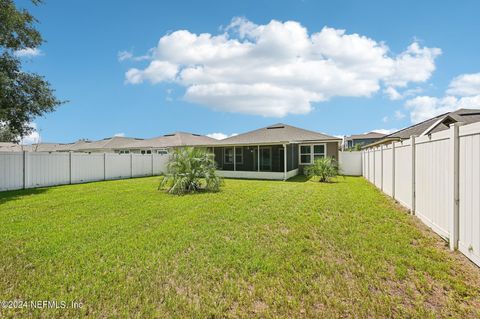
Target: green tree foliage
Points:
x,y
191,170
23,96
324,168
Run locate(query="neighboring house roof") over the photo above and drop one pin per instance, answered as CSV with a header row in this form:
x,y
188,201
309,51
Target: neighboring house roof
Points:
x,y
115,142
438,123
369,135
10,147
277,133
173,140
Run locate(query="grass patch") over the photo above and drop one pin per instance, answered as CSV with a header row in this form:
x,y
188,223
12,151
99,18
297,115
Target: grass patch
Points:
x,y
254,249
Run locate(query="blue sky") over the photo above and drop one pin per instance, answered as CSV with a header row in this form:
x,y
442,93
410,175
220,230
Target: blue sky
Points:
x,y
397,62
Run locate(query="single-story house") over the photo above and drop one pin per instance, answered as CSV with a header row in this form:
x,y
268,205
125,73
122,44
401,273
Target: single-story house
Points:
x,y
162,144
362,139
436,124
278,151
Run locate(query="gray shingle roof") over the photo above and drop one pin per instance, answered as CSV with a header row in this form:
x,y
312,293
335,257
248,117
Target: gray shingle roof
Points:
x,y
116,142
365,136
173,140
277,133
466,116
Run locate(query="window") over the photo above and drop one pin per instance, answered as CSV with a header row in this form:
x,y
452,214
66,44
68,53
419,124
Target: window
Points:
x,y
305,154
309,153
162,151
123,152
239,155
318,151
228,155
142,151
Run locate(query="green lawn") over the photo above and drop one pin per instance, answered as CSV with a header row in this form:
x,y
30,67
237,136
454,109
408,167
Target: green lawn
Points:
x,y
255,249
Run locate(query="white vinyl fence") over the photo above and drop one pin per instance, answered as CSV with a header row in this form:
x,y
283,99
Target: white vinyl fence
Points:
x,y
350,163
35,169
437,177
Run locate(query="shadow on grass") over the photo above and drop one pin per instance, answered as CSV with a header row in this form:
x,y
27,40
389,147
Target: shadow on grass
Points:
x,y
303,179
298,179
18,194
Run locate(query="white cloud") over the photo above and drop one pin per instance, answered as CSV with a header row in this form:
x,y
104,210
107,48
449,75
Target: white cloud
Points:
x,y
127,55
33,137
463,92
220,136
119,134
392,93
28,53
279,68
385,119
465,85
385,131
425,107
399,115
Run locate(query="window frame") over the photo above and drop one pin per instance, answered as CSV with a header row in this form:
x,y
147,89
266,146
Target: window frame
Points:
x,y
312,153
225,156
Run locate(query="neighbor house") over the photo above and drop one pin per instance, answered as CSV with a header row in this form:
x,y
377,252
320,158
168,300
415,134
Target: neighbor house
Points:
x,y
162,144
436,124
362,139
278,151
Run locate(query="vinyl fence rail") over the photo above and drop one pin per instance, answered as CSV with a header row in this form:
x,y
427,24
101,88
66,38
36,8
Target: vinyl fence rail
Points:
x,y
437,177
20,170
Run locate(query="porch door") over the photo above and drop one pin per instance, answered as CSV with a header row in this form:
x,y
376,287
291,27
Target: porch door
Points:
x,y
265,159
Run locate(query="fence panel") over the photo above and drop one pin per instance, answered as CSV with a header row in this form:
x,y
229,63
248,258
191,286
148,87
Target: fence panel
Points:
x,y
433,176
87,167
11,170
118,166
469,192
378,167
160,163
387,170
371,166
350,163
47,169
403,173
142,164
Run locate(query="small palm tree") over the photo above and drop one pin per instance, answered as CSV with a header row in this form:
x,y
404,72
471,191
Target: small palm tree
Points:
x,y
324,168
191,170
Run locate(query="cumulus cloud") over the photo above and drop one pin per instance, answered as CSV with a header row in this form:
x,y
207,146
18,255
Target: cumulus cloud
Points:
x,y
119,134
465,85
28,53
220,136
279,68
33,137
463,92
127,55
399,115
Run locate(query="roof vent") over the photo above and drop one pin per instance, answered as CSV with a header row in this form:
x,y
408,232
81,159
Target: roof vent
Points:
x,y
275,127
169,135
196,134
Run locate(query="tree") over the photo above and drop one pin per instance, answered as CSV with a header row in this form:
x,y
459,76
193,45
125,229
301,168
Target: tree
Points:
x,y
191,170
23,96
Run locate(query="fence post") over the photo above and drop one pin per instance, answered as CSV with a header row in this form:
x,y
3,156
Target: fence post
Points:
x,y
152,163
381,167
412,147
454,156
131,165
393,169
374,175
104,166
70,164
24,169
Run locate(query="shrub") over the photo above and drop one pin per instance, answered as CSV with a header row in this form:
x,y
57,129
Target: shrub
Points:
x,y
324,168
191,170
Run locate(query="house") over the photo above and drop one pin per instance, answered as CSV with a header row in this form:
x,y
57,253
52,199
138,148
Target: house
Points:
x,y
115,144
362,139
278,151
436,124
10,147
161,144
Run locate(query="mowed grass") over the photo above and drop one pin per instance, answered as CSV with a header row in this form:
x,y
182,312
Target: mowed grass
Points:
x,y
255,249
